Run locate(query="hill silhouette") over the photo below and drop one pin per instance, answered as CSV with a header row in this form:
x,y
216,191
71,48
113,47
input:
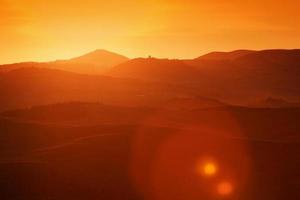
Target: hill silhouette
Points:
x,y
218,55
163,70
261,73
237,77
240,81
95,62
100,57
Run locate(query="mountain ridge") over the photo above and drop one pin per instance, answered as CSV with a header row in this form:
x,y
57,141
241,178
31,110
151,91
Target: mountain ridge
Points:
x,y
95,62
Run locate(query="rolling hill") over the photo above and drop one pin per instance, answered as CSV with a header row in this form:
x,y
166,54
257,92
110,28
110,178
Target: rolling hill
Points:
x,y
237,77
28,87
267,73
218,55
65,161
153,69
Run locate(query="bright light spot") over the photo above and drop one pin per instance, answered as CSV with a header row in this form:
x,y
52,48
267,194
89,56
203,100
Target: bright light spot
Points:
x,y
225,188
209,169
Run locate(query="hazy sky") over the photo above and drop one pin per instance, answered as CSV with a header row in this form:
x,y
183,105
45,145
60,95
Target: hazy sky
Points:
x,y
53,29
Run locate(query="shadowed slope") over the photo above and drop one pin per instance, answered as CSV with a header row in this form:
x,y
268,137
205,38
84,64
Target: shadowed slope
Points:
x,y
34,86
274,103
80,113
67,162
162,70
254,75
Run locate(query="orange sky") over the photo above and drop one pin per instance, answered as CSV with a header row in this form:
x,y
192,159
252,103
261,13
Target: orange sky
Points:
x,y
45,30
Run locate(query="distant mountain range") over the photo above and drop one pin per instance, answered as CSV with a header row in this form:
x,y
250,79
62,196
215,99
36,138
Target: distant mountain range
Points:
x,y
239,77
100,126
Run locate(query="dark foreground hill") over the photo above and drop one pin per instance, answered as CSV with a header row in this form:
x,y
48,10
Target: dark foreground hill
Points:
x,y
155,153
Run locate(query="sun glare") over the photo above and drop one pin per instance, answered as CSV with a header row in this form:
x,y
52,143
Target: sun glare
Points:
x,y
210,169
207,168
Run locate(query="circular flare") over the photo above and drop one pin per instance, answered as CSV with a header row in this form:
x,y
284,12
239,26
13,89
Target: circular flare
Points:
x,y
225,188
209,169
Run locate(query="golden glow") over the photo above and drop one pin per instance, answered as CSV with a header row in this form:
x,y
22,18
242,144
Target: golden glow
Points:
x,y
47,30
209,169
225,188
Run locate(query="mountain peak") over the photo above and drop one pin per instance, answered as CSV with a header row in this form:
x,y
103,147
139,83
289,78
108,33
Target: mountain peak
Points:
x,y
102,52
94,62
102,56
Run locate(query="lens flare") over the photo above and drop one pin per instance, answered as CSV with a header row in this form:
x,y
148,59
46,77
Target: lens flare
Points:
x,y
209,169
225,188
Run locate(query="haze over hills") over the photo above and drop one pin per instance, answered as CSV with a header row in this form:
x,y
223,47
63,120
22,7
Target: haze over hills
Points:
x,y
38,86
240,80
162,70
268,73
249,58
100,57
95,62
142,128
237,77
